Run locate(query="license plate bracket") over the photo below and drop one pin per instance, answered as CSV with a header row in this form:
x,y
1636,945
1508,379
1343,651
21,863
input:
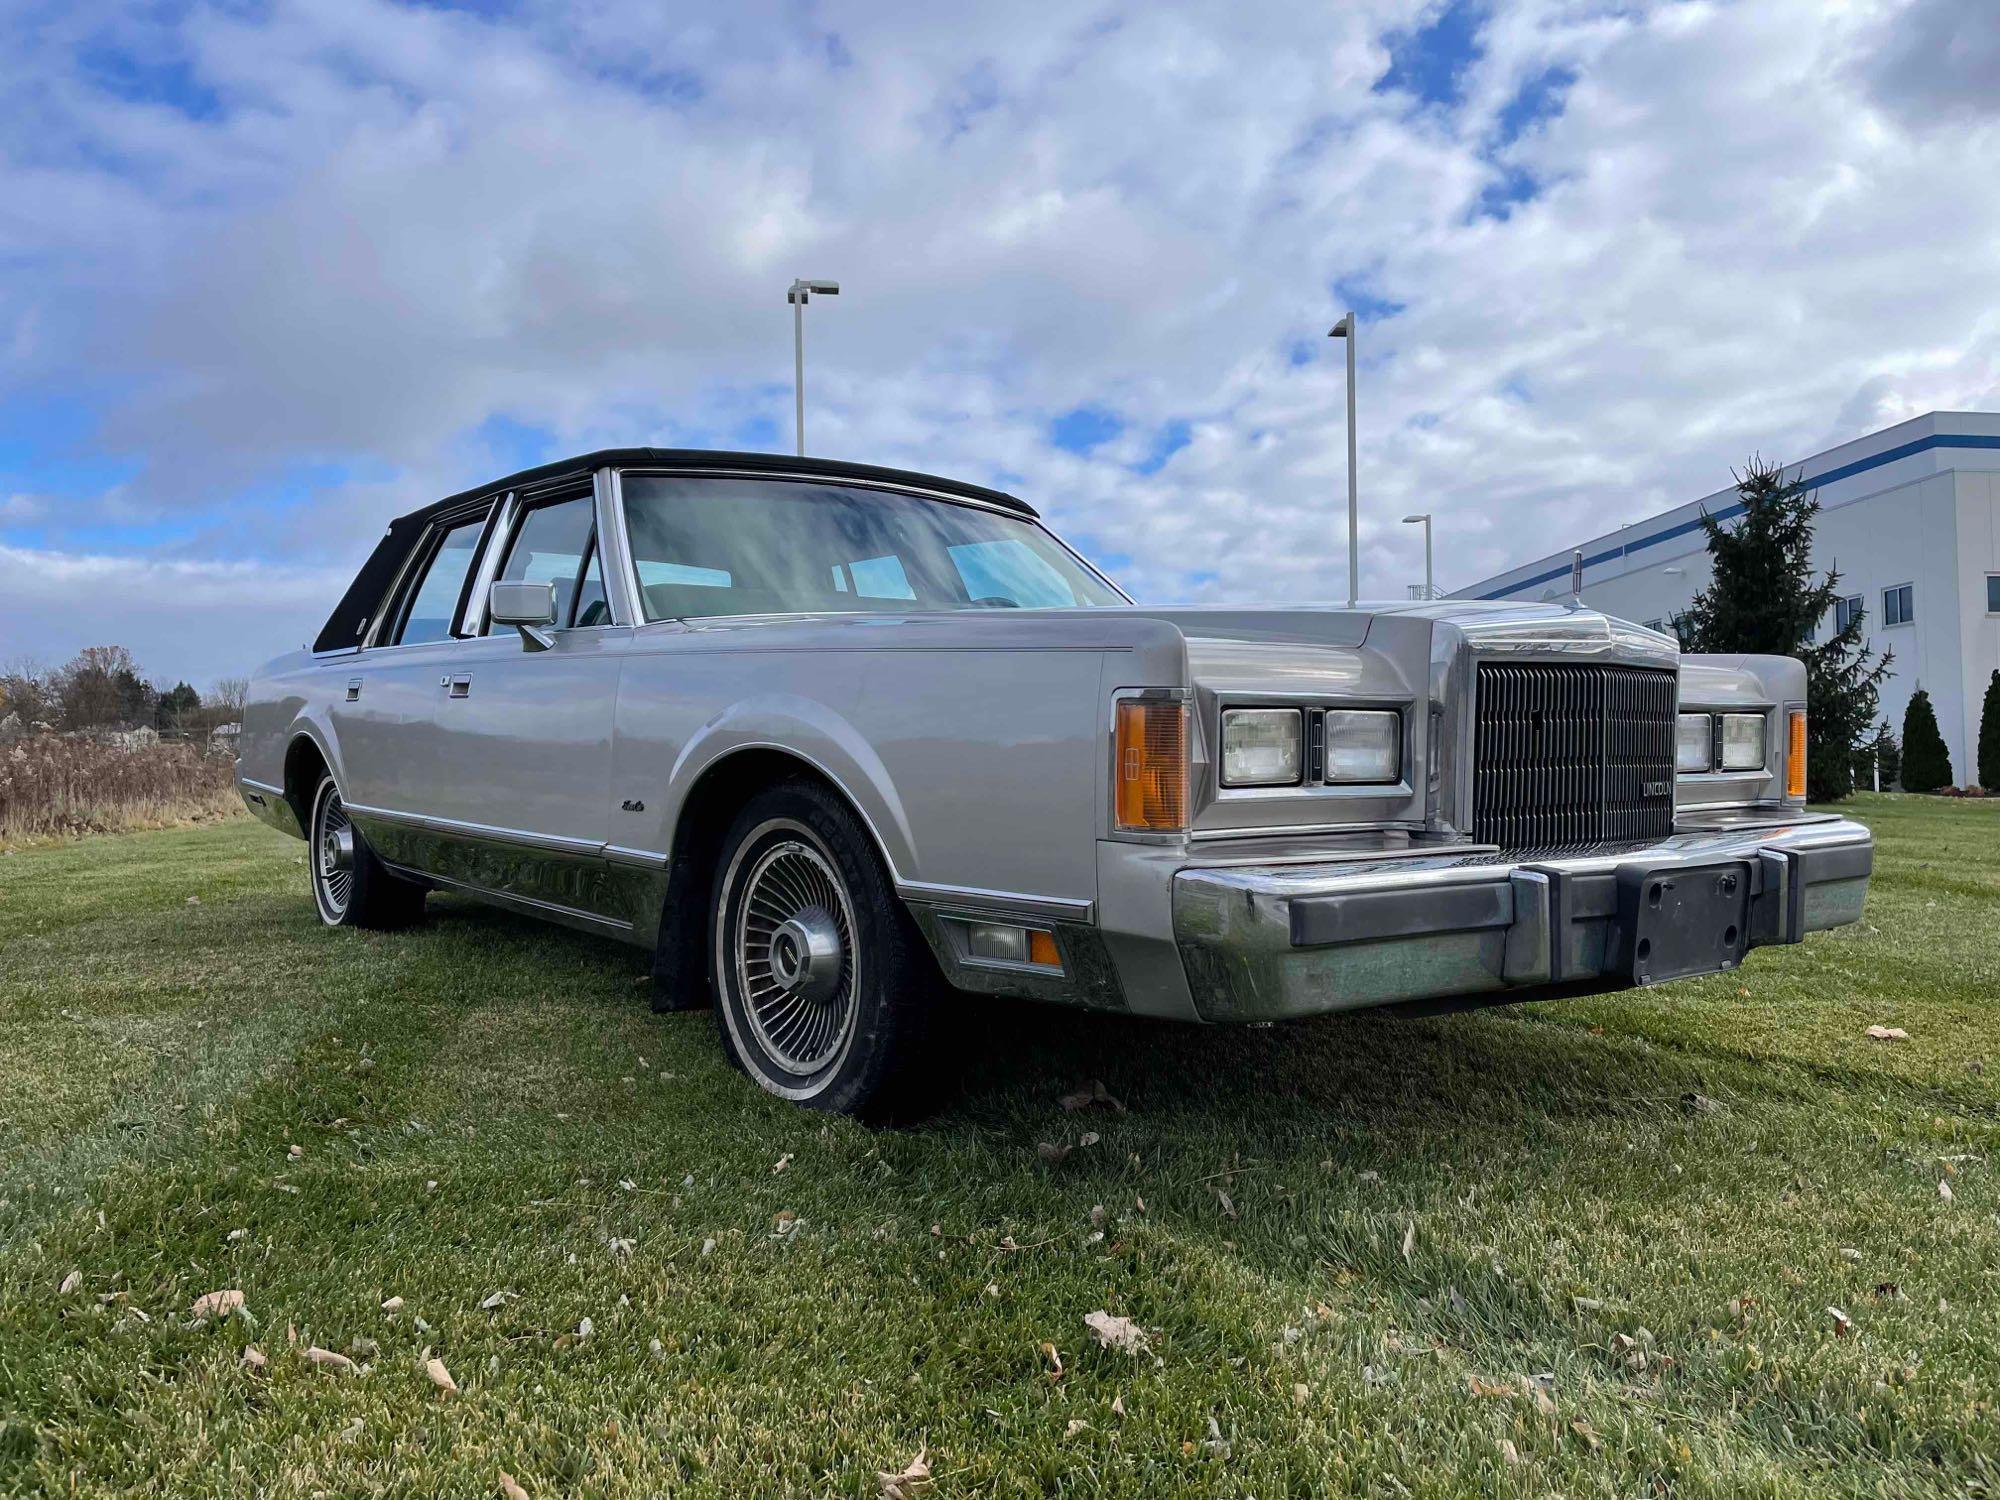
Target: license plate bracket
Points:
x,y
1681,920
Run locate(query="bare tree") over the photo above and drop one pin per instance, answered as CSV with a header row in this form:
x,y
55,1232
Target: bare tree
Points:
x,y
227,698
27,690
101,687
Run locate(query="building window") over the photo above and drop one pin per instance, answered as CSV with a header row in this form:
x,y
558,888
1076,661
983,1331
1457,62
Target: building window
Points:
x,y
1844,611
1993,593
1899,604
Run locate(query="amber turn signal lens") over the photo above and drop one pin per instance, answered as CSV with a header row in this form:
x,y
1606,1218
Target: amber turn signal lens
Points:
x,y
1150,776
1042,948
1795,755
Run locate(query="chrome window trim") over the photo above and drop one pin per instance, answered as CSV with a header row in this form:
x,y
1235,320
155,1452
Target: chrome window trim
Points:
x,y
614,551
392,598
520,503
509,513
822,481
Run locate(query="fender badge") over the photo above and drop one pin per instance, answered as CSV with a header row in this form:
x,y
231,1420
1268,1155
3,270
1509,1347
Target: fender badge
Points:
x,y
632,804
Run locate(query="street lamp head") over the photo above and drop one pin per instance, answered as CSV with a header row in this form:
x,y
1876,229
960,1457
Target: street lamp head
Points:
x,y
803,288
1413,520
1342,329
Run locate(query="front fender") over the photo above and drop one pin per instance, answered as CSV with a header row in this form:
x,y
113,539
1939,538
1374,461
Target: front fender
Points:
x,y
810,731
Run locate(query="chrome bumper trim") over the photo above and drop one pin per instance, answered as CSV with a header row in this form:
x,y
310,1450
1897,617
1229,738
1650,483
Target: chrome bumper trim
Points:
x,y
1271,942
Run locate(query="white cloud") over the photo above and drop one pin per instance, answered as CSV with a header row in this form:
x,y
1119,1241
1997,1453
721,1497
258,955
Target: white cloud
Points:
x,y
194,618
1750,234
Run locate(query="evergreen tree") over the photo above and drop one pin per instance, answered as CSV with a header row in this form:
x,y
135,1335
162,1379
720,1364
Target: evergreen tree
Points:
x,y
1989,737
1926,762
177,708
1764,598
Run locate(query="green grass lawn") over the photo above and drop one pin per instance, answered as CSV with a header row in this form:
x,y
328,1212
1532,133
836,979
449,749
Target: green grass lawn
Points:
x,y
1577,1249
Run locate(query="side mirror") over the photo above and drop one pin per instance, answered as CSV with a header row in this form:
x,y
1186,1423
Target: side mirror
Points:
x,y
529,607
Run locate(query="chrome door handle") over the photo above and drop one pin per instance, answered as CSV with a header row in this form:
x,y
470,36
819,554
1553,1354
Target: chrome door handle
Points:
x,y
353,689
460,684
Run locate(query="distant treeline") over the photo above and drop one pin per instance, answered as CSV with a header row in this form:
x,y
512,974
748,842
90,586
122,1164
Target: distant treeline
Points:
x,y
101,688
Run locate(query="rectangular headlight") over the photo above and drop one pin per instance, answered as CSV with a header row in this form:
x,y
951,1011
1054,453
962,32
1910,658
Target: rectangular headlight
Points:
x,y
1694,743
1362,745
1262,746
1742,742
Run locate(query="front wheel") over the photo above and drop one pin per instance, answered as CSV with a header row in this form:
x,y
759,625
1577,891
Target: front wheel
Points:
x,y
350,886
824,984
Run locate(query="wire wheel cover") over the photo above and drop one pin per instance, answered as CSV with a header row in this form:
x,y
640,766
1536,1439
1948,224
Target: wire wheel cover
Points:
x,y
795,956
333,853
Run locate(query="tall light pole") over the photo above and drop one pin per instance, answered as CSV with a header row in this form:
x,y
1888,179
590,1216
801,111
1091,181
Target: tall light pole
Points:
x,y
797,295
1429,591
1344,329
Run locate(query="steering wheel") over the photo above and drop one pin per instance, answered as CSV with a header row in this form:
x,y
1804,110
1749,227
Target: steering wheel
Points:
x,y
995,601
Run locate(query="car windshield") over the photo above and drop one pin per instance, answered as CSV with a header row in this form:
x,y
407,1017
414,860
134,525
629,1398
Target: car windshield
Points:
x,y
716,546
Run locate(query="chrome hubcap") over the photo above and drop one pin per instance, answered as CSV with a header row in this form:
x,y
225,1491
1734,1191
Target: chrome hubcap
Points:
x,y
335,844
794,943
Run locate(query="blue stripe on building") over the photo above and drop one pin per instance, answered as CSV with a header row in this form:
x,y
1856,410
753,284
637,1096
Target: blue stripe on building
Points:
x,y
1735,508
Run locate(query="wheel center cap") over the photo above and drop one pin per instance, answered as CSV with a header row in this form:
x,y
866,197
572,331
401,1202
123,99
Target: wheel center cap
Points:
x,y
336,851
805,954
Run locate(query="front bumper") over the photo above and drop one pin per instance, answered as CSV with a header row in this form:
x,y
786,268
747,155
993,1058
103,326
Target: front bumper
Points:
x,y
1270,942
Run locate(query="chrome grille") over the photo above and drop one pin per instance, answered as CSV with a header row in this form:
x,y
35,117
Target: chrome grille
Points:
x,y
1567,754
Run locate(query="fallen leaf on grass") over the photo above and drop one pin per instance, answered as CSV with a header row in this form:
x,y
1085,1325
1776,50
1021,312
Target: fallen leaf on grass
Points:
x,y
295,1152
1114,1332
327,1359
510,1487
1091,1093
1944,1190
1118,1407
1223,1200
70,1283
914,1476
496,1300
1841,1323
1492,1390
1508,1452
1700,1104
1054,1359
393,1306
440,1376
1075,1425
784,1223
253,1357
1584,1430
216,1304
781,1163
1888,1034
1050,1152
1409,1239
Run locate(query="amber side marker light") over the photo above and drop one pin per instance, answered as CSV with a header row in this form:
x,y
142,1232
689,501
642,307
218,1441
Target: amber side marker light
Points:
x,y
1150,774
1795,754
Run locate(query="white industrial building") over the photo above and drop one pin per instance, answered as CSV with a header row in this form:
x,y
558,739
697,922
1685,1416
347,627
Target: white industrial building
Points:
x,y
1910,516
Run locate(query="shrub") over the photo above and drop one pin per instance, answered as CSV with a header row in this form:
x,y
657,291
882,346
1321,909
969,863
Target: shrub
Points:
x,y
1926,762
52,784
1989,736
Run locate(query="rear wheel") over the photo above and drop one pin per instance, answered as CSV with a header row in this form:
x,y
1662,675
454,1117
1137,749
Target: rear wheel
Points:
x,y
350,886
823,982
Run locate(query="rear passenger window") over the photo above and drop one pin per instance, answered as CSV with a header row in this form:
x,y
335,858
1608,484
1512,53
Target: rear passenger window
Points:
x,y
434,602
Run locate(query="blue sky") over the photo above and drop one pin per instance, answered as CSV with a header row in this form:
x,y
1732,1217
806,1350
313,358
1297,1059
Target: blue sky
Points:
x,y
272,271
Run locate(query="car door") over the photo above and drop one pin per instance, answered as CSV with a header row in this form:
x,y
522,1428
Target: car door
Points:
x,y
385,696
523,734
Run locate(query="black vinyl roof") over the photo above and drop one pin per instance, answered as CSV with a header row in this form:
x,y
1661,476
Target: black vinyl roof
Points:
x,y
743,463
349,621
